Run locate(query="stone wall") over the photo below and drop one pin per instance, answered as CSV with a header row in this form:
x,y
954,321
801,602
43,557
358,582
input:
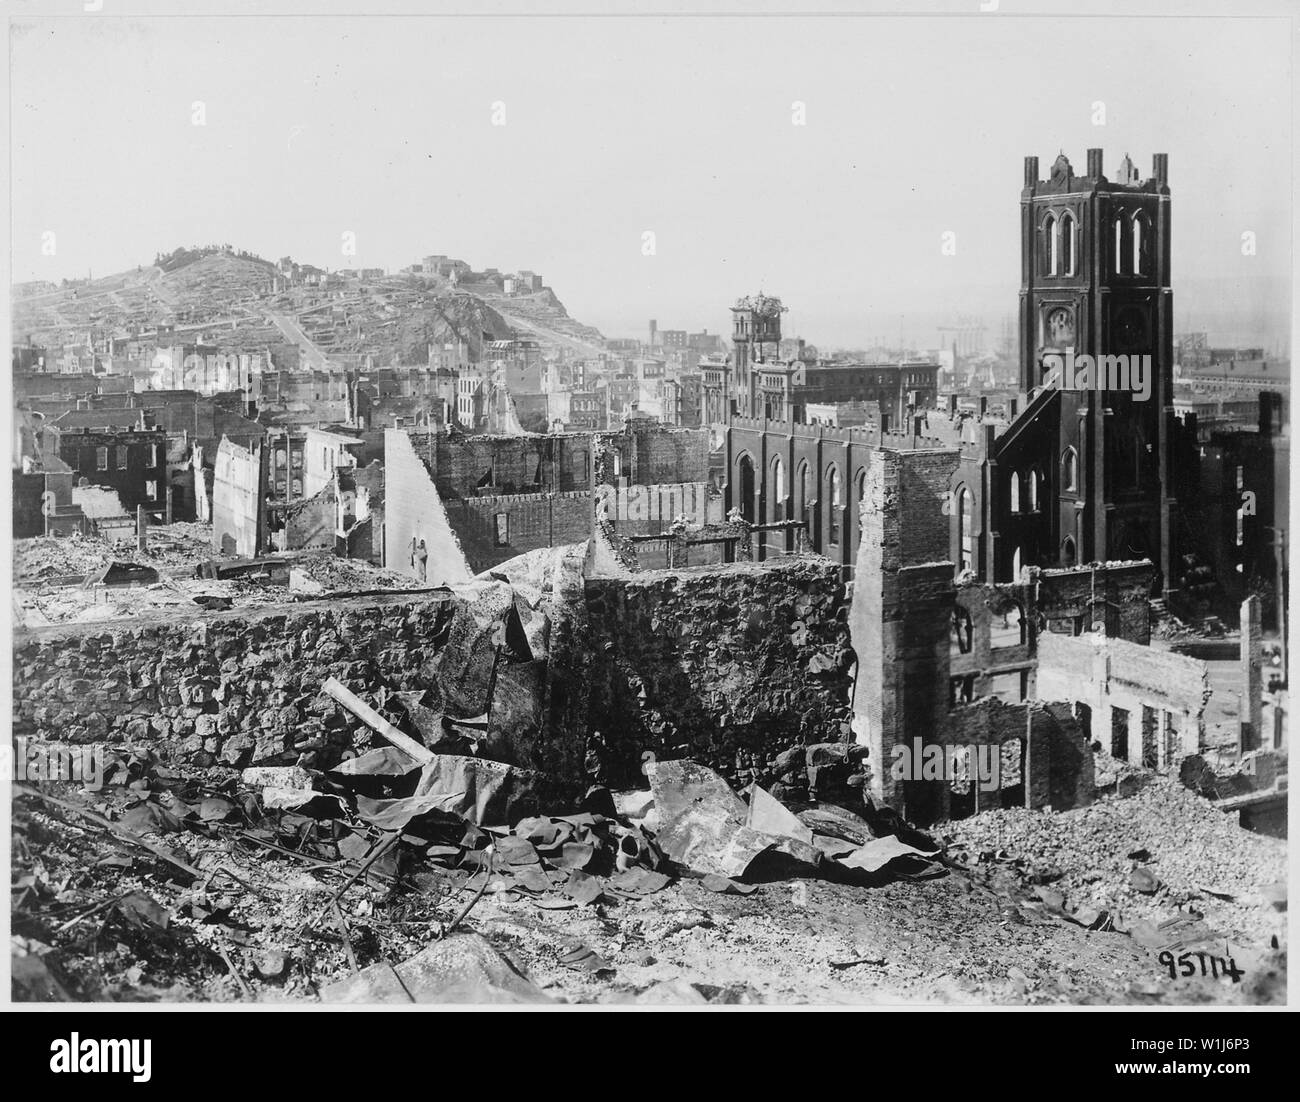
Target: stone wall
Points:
x,y
743,667
727,665
234,688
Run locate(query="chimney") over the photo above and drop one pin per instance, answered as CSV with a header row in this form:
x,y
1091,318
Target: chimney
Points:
x,y
952,406
654,328
884,422
1013,407
1160,165
1031,171
984,407
1094,163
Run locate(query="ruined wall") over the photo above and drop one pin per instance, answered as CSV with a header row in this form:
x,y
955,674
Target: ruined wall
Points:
x,y
510,464
414,510
232,688
641,510
1045,760
902,607
309,522
992,642
1164,694
654,454
239,479
1116,595
728,665
494,529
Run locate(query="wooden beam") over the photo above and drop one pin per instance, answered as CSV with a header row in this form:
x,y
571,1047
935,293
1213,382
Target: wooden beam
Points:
x,y
359,708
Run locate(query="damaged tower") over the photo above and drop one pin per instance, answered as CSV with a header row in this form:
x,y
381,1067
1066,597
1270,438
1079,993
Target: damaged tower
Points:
x,y
1095,282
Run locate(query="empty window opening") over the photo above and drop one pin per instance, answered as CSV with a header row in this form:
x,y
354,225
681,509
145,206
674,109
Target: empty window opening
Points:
x,y
965,526
961,690
1150,738
1007,687
1006,629
1067,244
961,631
1119,718
1070,469
1011,775
833,528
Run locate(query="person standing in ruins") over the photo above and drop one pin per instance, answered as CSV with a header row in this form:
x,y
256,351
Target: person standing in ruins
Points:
x,y
420,557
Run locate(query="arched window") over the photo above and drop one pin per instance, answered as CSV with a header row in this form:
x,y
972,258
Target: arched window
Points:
x,y
1067,244
1033,491
1015,566
1139,242
1052,242
1070,469
802,504
965,530
833,493
1067,551
1015,492
778,487
1119,246
746,502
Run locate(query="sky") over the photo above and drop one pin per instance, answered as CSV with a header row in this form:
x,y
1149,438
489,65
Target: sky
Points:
x,y
682,128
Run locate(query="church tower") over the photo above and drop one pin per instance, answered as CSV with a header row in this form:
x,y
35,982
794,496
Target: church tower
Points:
x,y
1095,293
755,333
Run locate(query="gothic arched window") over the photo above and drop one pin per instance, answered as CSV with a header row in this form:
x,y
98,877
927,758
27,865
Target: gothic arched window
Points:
x,y
1067,244
1070,469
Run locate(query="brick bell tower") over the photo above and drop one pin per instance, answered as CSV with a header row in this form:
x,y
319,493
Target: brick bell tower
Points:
x,y
1095,282
755,333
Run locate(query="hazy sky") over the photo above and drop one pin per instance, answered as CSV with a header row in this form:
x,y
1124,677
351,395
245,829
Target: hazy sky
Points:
x,y
383,127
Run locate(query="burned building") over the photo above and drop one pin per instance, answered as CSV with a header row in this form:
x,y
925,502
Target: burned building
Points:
x,y
122,456
480,500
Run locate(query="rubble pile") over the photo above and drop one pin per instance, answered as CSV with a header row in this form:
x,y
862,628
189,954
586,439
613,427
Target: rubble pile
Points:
x,y
1161,852
346,884
38,605
325,574
58,557
181,543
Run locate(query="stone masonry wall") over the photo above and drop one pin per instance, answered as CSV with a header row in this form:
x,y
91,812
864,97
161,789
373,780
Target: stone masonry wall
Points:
x,y
728,665
233,688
